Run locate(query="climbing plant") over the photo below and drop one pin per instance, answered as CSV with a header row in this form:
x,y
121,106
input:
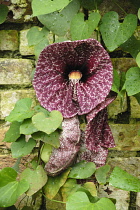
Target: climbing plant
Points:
x,y
35,127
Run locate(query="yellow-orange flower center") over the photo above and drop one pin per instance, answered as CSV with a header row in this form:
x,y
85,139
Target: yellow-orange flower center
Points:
x,y
75,75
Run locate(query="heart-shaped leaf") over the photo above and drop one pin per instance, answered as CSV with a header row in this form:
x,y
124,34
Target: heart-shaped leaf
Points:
x,y
13,133
41,7
80,201
21,111
101,174
59,22
81,29
21,148
132,45
36,179
7,175
27,127
10,189
47,124
132,83
123,180
10,192
114,33
90,4
82,170
54,184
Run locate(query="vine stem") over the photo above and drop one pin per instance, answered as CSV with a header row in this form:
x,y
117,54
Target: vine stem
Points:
x,y
54,200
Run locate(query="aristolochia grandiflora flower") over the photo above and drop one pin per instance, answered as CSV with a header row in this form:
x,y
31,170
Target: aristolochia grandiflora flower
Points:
x,y
75,78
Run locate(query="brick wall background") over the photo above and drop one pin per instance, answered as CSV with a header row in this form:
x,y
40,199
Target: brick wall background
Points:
x,y
16,66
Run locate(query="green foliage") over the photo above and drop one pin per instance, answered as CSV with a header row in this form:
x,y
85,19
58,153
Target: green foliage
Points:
x,y
69,20
80,201
101,174
114,33
59,22
132,83
13,133
82,170
10,188
55,183
36,178
123,180
21,111
22,148
41,7
49,124
3,13
81,29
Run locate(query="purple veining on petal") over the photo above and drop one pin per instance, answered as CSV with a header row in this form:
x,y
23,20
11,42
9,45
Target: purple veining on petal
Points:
x,y
64,156
99,158
53,87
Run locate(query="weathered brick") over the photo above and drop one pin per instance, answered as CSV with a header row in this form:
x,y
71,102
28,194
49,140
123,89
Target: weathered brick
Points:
x,y
23,47
116,107
15,71
10,97
123,64
135,107
122,197
9,40
126,136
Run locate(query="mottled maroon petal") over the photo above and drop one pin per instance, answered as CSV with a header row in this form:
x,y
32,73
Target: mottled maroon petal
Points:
x,y
98,133
64,156
99,158
53,88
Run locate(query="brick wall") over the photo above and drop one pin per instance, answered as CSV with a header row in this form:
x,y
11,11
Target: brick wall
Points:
x,y
16,66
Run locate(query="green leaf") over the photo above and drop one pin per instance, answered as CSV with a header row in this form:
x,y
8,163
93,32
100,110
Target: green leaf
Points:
x,y
13,133
101,174
80,201
90,4
21,111
46,151
40,46
55,183
132,83
27,127
36,35
123,180
39,108
114,33
59,22
82,170
69,188
36,179
49,124
52,139
139,13
3,13
10,192
41,7
7,175
132,45
81,29
138,59
116,81
22,148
